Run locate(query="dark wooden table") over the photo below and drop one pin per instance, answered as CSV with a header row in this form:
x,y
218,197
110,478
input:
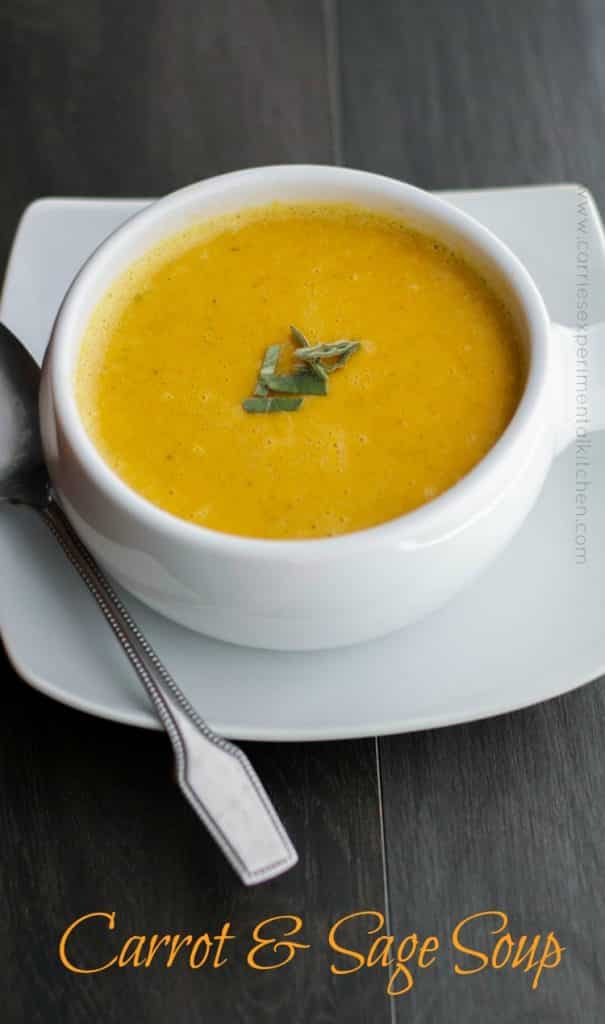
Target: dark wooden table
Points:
x,y
98,97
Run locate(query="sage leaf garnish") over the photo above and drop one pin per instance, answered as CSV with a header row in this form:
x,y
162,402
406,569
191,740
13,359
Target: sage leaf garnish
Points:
x,y
299,338
344,356
314,363
268,367
271,403
338,350
304,383
318,371
302,341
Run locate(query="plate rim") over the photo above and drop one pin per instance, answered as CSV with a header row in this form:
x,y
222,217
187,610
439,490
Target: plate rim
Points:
x,y
143,717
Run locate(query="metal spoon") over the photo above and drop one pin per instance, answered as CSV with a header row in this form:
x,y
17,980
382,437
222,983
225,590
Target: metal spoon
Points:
x,y
214,774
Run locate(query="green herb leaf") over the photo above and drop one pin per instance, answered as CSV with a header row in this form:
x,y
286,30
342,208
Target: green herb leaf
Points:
x,y
318,370
311,376
299,337
333,350
344,357
304,383
268,366
275,403
315,368
303,342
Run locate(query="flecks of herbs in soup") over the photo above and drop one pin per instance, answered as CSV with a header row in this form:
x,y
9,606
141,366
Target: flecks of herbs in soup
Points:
x,y
177,344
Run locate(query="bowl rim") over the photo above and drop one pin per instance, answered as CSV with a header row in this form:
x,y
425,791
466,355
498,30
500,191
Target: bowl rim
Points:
x,y
458,503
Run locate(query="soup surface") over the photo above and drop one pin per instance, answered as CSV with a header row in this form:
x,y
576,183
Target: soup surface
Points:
x,y
176,345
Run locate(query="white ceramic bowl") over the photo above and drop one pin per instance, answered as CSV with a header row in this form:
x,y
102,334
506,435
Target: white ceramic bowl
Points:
x,y
295,595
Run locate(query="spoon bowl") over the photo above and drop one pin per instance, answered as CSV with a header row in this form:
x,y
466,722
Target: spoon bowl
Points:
x,y
23,476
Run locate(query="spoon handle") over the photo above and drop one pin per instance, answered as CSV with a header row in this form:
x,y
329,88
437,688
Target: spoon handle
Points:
x,y
214,774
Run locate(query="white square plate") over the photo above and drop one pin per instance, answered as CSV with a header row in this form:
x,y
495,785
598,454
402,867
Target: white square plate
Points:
x,y
530,628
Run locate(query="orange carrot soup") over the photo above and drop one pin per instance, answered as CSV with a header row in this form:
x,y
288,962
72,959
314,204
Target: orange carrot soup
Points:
x,y
297,372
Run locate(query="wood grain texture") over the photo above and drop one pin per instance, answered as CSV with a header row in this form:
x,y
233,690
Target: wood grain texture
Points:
x,y
476,94
90,820
504,814
104,98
